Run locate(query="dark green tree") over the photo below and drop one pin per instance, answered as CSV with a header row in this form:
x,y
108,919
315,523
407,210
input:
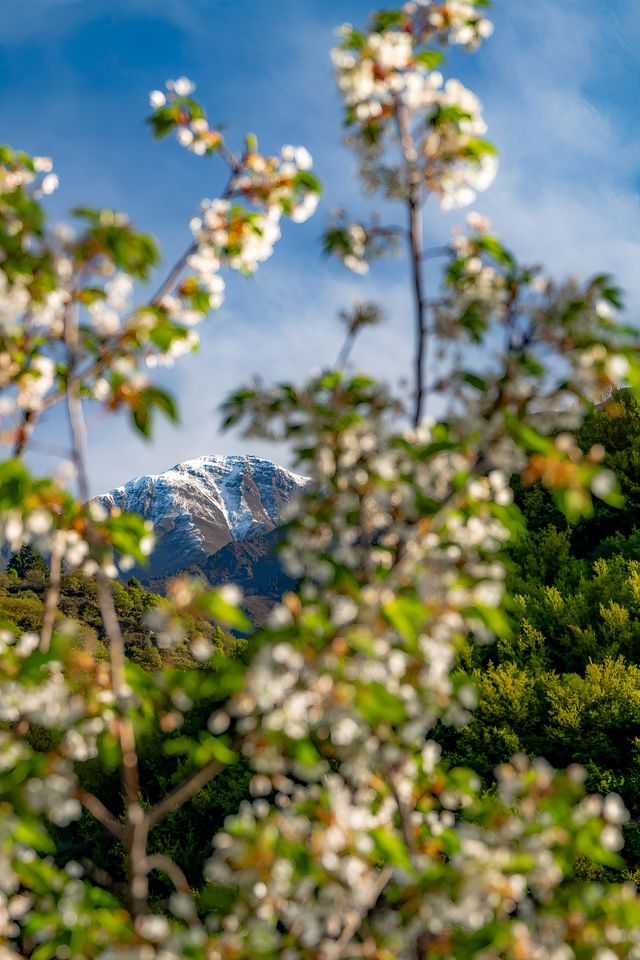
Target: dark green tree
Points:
x,y
28,561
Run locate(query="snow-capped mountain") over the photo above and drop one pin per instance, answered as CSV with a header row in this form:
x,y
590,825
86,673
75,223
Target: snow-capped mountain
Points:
x,y
213,515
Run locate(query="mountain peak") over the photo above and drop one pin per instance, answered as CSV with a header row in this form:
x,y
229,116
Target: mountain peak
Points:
x,y
199,506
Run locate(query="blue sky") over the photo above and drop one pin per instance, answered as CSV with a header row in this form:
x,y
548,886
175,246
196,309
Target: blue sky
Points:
x,y
559,82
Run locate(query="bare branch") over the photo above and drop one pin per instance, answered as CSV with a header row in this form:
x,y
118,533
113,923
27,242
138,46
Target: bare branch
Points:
x,y
96,807
363,315
112,630
100,876
53,594
184,791
414,204
24,432
173,276
334,950
433,253
403,813
345,350
158,861
230,158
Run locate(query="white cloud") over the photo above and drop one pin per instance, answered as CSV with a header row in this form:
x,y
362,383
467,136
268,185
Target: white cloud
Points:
x,y
566,194
47,19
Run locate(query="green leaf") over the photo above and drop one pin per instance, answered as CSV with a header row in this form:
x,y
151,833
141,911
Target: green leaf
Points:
x,y
142,406
304,178
376,705
215,606
429,58
391,848
31,834
407,615
474,381
493,246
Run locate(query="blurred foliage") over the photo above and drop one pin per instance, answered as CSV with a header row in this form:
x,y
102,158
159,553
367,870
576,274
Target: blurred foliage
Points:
x,y
186,833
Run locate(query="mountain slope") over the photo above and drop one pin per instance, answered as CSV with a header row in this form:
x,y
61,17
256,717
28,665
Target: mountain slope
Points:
x,y
215,516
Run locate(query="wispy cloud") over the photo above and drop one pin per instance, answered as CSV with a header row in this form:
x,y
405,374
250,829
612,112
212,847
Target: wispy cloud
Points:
x,y
46,20
567,190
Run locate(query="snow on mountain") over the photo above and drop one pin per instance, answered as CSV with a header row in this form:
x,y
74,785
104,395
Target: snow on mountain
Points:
x,y
201,506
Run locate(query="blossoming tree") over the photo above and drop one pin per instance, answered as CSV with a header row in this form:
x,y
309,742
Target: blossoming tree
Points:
x,y
357,840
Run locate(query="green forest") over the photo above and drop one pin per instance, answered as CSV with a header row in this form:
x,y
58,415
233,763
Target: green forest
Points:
x,y
563,685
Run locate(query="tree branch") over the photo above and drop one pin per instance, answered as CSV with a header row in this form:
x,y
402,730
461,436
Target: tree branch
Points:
x,y
346,349
414,205
24,432
433,253
184,791
335,950
158,861
173,276
53,594
137,829
403,813
97,808
101,877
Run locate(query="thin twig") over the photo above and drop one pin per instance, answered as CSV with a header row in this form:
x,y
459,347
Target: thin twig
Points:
x,y
334,951
433,253
414,205
403,813
345,350
24,432
173,276
53,593
230,158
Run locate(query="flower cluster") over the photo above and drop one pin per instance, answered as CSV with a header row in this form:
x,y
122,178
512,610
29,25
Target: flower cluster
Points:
x,y
367,557
268,181
382,75
18,170
457,22
373,72
175,109
456,865
229,232
283,183
457,163
357,244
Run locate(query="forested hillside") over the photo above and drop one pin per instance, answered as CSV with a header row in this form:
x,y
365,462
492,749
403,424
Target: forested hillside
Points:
x,y
566,683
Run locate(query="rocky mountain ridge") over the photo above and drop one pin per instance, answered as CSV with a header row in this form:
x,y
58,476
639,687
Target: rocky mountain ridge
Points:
x,y
215,516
